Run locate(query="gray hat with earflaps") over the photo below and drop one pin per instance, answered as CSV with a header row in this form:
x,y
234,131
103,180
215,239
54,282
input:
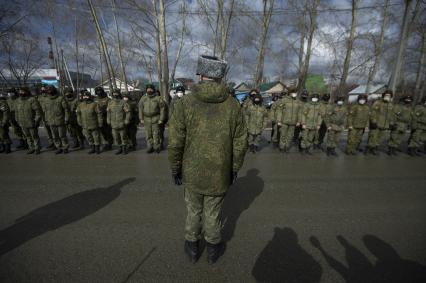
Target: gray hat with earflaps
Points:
x,y
211,67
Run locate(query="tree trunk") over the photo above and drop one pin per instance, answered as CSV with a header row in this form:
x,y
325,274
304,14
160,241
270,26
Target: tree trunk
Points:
x,y
302,28
379,48
164,53
77,85
181,41
120,56
419,74
226,23
349,46
395,77
267,13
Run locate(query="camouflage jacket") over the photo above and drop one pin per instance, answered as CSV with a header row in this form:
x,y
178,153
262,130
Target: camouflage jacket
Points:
x,y
89,115
419,117
256,119
103,104
27,112
273,112
118,114
208,138
359,116
56,110
382,114
336,117
4,113
311,115
290,112
152,106
403,115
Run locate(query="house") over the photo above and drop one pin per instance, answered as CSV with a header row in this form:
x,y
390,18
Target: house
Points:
x,y
120,85
268,89
375,92
242,87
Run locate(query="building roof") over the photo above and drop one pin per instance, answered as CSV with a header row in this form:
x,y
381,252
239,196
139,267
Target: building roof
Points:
x,y
242,87
363,88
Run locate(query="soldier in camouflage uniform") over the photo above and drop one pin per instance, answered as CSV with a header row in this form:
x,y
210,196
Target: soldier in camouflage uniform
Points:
x,y
248,101
151,115
42,99
418,124
256,119
273,112
118,117
311,119
4,124
358,118
382,117
208,142
325,107
17,131
57,117
73,127
288,118
106,132
336,121
28,115
297,139
403,114
132,127
162,126
90,118
180,92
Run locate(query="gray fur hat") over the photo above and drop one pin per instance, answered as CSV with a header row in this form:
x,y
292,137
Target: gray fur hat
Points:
x,y
211,67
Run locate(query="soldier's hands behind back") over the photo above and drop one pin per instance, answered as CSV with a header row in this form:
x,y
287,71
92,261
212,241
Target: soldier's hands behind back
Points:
x,y
177,176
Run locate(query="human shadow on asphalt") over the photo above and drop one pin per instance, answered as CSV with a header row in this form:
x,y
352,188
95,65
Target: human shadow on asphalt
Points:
x,y
388,267
57,214
238,199
284,260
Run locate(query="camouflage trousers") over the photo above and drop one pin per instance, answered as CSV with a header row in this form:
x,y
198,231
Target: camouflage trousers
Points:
x,y
275,133
286,135
132,130
93,136
418,138
204,214
376,137
152,133
354,139
106,135
4,135
17,131
254,139
48,133
31,135
396,138
120,136
59,134
320,135
308,136
76,133
333,138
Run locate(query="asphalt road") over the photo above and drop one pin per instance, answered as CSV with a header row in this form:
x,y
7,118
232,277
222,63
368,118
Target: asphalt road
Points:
x,y
107,218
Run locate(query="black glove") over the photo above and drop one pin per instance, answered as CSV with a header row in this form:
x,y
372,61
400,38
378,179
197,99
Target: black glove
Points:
x,y
177,176
392,127
373,126
234,175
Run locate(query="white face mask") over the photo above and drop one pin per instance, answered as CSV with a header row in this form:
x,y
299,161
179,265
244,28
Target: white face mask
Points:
x,y
179,94
387,98
340,102
125,98
314,99
294,95
362,101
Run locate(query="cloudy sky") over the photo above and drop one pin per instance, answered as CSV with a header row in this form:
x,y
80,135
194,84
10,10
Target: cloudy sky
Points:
x,y
334,18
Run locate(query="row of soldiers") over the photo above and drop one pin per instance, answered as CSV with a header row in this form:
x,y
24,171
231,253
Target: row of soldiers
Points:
x,y
100,120
307,121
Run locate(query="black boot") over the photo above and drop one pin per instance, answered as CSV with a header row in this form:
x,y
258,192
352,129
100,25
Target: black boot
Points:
x,y
37,151
119,151
333,152
158,150
7,149
308,151
417,152
328,151
66,150
50,146
98,149
374,151
214,251
105,147
411,151
367,150
125,150
192,250
150,150
92,150
76,145
59,151
2,148
256,148
31,151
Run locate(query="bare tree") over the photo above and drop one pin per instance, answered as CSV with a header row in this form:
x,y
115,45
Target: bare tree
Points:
x,y
181,40
120,56
266,19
